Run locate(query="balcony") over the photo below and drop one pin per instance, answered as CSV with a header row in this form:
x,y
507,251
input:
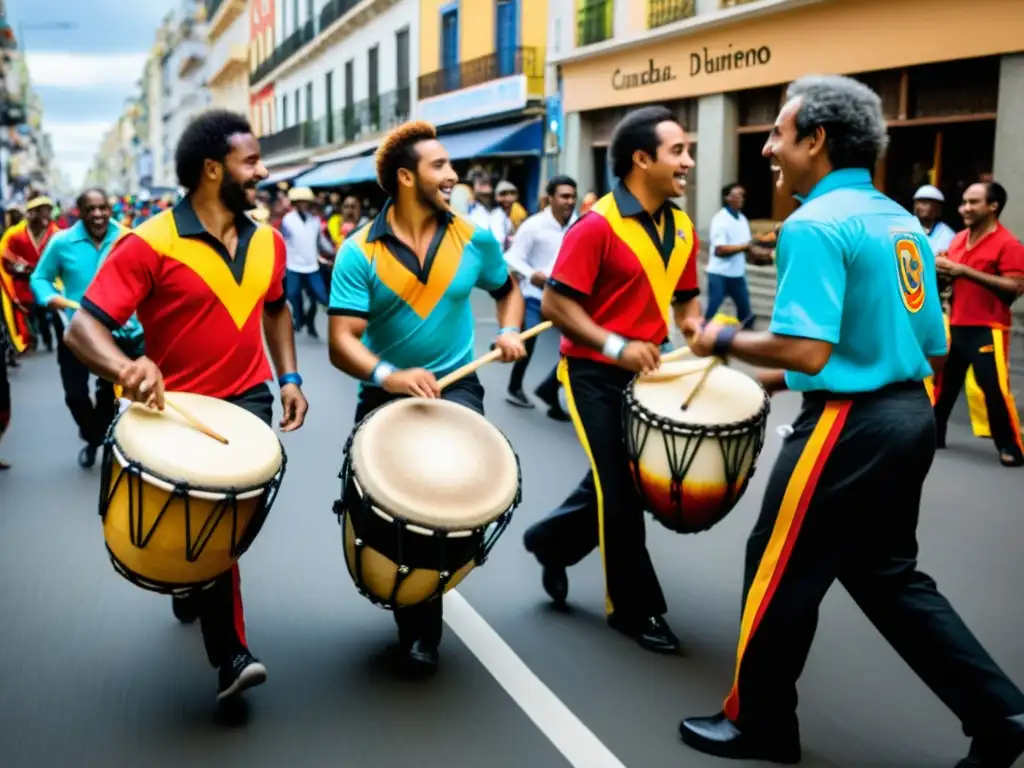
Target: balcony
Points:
x,y
334,10
291,46
662,12
359,121
493,66
220,15
235,63
593,21
191,55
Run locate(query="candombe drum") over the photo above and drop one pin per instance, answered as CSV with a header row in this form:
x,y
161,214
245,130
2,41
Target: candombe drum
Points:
x,y
691,465
179,507
428,487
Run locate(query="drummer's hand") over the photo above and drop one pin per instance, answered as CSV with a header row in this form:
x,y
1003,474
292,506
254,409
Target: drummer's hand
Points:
x,y
142,382
700,336
511,347
294,405
640,357
417,382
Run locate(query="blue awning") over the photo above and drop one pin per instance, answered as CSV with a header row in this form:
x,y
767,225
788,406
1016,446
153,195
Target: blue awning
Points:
x,y
340,173
526,138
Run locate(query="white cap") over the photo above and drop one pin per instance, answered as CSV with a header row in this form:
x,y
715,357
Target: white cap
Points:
x,y
928,192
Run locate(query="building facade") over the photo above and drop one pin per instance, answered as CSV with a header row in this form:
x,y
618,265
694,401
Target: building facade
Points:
x,y
482,83
341,74
262,39
227,72
723,66
184,89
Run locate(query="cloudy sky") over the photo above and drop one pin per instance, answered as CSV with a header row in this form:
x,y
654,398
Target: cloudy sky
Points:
x,y
84,75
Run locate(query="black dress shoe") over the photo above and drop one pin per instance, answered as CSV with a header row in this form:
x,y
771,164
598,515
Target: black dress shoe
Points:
x,y
87,457
556,583
720,737
652,633
184,609
998,748
420,660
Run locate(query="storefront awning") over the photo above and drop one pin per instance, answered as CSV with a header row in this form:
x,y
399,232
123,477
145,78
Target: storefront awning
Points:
x,y
340,173
526,138
287,173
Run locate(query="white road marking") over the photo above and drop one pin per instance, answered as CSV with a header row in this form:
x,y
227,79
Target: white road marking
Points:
x,y
564,730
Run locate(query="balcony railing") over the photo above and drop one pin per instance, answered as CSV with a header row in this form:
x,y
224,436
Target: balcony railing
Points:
x,y
359,121
593,21
334,10
501,63
291,45
662,12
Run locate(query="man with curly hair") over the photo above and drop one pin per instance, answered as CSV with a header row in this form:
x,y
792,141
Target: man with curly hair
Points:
x,y
206,283
400,310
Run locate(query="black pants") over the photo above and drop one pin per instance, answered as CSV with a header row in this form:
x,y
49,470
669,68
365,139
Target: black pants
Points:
x,y
423,622
987,351
219,607
613,519
93,419
42,319
842,503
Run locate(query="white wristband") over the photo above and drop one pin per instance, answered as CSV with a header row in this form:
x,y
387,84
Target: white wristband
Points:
x,y
381,372
613,346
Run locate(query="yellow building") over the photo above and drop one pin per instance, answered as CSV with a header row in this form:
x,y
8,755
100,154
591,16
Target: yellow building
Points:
x,y
228,36
482,83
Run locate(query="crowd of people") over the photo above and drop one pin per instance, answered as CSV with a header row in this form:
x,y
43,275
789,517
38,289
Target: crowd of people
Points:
x,y
396,284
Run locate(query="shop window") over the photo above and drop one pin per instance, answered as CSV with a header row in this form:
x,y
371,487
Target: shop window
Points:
x,y
967,87
760,106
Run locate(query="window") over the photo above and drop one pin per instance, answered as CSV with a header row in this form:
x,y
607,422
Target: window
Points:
x,y
309,101
329,107
506,28
402,74
350,83
298,109
284,112
450,47
268,41
295,15
373,84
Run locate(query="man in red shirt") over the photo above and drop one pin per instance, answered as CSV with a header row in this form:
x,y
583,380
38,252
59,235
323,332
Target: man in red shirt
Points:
x,y
24,248
621,271
985,263
202,278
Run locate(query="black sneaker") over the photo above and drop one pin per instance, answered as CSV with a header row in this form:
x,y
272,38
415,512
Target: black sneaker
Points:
x,y
87,457
185,609
240,674
518,399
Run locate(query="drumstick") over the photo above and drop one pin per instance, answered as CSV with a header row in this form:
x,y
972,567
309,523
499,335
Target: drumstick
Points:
x,y
490,357
715,362
195,423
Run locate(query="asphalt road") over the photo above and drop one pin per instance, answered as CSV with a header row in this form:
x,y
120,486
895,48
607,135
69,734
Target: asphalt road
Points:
x,y
94,672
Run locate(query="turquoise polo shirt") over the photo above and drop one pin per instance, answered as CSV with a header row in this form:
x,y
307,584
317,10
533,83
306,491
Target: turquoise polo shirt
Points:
x,y
418,316
855,269
74,258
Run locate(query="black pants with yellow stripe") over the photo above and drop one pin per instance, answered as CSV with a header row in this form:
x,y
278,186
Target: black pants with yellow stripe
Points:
x,y
986,350
842,504
604,510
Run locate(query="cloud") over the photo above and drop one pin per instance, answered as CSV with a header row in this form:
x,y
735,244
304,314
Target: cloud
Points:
x,y
75,145
85,70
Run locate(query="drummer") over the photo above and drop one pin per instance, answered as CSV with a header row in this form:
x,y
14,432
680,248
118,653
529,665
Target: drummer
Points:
x,y
400,310
623,268
843,499
203,278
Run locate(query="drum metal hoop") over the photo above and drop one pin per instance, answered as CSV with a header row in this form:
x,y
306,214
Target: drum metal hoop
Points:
x,y
638,422
140,536
489,533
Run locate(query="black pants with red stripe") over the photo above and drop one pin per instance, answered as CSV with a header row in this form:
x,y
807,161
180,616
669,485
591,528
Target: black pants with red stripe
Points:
x,y
842,504
985,350
595,392
423,622
219,607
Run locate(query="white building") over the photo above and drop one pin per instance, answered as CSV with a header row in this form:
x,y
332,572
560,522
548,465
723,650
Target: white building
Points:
x,y
185,91
342,74
228,62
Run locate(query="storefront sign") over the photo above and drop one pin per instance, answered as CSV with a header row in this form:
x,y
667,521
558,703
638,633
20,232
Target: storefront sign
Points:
x,y
776,47
494,98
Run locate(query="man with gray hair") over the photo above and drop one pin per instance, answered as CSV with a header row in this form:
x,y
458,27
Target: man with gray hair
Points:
x,y
857,327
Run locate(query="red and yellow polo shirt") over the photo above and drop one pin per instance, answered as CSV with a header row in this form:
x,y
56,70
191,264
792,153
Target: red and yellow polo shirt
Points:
x,y
626,268
997,253
201,310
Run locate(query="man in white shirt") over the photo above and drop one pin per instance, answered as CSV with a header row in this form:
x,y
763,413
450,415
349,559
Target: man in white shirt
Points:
x,y
928,202
302,231
532,255
730,243
486,213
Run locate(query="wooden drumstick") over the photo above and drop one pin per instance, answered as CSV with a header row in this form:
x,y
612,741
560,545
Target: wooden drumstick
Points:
x,y
715,362
490,357
195,423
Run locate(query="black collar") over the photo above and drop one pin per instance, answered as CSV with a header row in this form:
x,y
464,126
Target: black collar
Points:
x,y
630,208
380,230
188,225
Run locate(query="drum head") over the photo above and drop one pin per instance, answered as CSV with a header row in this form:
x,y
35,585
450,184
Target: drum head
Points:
x,y
728,396
166,446
436,464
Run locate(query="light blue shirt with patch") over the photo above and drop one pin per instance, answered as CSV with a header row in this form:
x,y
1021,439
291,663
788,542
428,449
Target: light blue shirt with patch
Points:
x,y
855,269
417,316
